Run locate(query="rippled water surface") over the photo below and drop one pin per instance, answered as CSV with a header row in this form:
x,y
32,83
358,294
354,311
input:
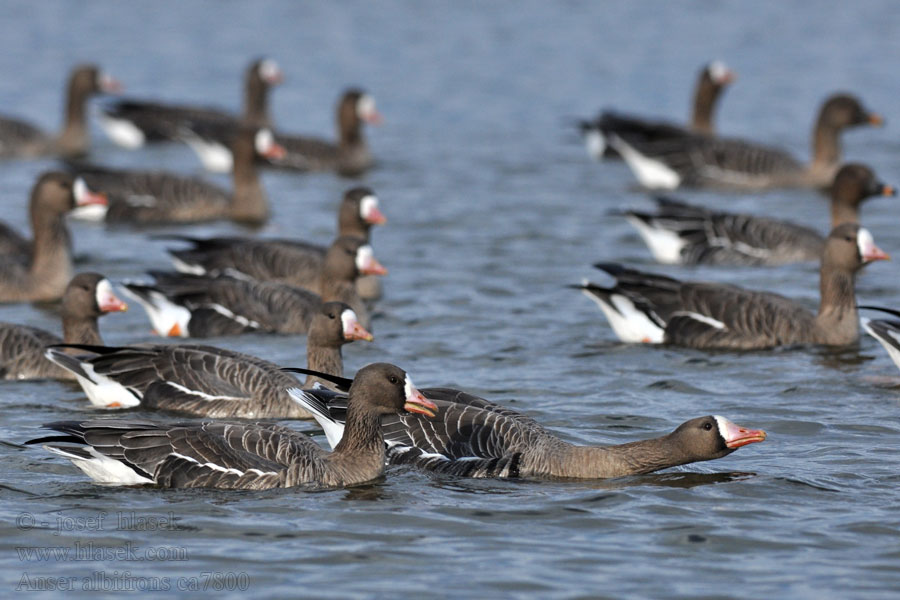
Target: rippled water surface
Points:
x,y
493,209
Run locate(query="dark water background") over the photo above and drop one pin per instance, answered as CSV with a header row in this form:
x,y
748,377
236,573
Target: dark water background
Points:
x,y
494,208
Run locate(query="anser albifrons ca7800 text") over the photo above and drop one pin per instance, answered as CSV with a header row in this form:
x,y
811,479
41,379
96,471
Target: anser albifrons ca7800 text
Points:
x,y
19,139
147,197
472,437
132,123
180,304
681,233
204,380
241,455
645,307
87,297
712,81
705,161
281,260
41,269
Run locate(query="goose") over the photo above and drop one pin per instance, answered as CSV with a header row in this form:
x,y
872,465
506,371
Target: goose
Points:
x,y
20,139
155,197
287,261
88,296
131,123
711,82
348,156
681,233
203,380
645,307
469,436
217,454
697,160
40,269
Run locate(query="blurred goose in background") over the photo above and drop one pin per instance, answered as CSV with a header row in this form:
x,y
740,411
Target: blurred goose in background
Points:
x,y
650,308
40,269
19,139
349,155
713,79
704,161
132,123
681,233
88,297
472,437
157,197
293,262
241,455
180,304
204,380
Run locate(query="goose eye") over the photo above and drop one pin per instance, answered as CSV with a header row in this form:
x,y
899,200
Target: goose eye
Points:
x,y
331,315
393,379
707,426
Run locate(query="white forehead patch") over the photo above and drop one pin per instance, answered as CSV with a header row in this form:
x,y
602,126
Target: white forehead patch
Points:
x,y
367,205
365,106
864,241
80,190
723,424
348,319
408,388
718,70
364,256
264,141
268,69
104,292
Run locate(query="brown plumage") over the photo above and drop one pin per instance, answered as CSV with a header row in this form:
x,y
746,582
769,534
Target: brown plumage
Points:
x,y
19,139
472,437
39,270
644,307
242,455
88,296
148,197
681,233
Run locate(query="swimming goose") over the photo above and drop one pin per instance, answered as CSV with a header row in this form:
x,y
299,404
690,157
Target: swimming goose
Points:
x,y
292,262
40,270
87,297
681,233
154,197
703,161
241,455
204,380
644,307
472,437
713,79
132,123
19,139
186,305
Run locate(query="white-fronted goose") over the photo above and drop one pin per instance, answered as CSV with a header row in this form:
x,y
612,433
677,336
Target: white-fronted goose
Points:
x,y
292,262
87,297
207,381
186,305
241,455
472,437
349,155
155,197
704,161
644,307
19,139
132,123
41,269
713,79
681,233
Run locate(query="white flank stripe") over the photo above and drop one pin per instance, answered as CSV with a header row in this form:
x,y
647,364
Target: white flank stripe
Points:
x,y
702,318
237,318
183,267
200,394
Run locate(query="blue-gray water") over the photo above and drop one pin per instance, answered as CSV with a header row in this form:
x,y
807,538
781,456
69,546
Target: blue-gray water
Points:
x,y
493,209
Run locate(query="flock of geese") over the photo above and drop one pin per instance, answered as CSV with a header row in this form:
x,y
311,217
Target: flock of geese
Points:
x,y
231,285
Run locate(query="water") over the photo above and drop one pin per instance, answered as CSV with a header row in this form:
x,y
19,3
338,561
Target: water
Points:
x,y
493,209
